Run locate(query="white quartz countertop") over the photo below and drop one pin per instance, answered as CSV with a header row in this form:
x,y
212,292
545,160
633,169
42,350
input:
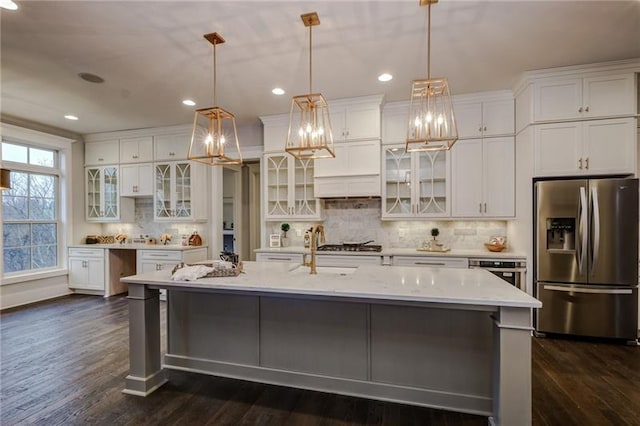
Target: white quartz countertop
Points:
x,y
137,246
403,252
413,284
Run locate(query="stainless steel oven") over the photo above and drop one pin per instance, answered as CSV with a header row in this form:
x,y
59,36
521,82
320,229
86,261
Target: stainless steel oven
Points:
x,y
512,271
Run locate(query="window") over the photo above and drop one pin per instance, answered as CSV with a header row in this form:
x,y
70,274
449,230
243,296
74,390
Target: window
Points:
x,y
30,209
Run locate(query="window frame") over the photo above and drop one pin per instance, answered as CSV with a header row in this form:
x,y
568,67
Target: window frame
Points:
x,y
36,139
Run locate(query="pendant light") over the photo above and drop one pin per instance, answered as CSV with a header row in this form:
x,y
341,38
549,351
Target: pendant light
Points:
x,y
214,129
309,135
5,179
432,125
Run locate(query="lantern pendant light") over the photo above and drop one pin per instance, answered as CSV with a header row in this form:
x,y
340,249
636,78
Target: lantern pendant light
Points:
x,y
214,129
309,135
432,125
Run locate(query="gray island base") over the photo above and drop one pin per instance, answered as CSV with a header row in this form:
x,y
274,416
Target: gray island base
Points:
x,y
455,339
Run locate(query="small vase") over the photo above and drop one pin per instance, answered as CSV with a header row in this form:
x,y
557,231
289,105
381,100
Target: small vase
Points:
x,y
284,241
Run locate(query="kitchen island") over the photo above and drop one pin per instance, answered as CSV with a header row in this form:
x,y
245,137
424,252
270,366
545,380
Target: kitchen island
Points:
x,y
457,339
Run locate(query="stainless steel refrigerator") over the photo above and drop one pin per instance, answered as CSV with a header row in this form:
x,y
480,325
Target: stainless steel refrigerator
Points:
x,y
587,257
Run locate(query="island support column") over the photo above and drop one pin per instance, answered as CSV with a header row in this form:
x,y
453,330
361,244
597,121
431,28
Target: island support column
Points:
x,y
512,367
145,369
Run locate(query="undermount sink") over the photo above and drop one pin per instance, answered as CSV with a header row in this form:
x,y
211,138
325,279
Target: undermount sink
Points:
x,y
324,270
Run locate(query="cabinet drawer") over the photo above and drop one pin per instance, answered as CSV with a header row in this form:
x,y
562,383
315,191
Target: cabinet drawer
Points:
x,y
160,255
86,252
279,257
337,260
431,261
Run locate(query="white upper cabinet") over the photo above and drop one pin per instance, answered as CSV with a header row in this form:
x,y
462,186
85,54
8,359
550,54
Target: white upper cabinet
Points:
x,y
136,180
102,196
395,123
102,153
482,177
288,188
415,184
171,147
179,191
586,147
136,150
597,96
484,119
355,119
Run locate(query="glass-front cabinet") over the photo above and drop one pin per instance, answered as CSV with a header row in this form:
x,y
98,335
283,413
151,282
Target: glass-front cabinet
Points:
x,y
289,188
176,195
415,184
103,198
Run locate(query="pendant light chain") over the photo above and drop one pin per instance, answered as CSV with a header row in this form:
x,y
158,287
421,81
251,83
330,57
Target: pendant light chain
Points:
x,y
214,73
310,59
429,42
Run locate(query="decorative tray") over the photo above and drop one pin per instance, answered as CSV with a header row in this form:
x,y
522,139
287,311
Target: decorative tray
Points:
x,y
434,250
217,272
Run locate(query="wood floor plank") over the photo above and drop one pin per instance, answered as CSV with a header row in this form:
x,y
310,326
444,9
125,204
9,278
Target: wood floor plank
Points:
x,y
63,362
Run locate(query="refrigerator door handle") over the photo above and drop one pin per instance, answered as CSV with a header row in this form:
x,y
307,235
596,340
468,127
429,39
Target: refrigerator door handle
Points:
x,y
595,211
587,290
582,223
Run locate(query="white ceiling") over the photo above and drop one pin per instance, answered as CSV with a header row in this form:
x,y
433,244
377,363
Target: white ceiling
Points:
x,y
152,54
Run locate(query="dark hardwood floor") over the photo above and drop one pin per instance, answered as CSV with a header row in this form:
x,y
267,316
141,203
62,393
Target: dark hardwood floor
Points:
x,y
63,362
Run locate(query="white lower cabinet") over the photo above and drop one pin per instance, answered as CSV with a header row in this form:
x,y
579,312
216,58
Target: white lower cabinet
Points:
x,y
431,261
348,260
160,260
86,269
279,257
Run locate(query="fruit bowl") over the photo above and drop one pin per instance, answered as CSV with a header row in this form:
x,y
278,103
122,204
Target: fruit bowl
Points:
x,y
495,247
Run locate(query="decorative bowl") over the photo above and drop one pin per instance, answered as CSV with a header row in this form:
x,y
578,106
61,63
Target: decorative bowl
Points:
x,y
495,247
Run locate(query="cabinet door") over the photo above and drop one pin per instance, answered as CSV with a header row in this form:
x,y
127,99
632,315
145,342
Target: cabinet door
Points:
x,y
95,269
111,187
468,119
100,153
163,191
609,146
78,273
431,183
466,178
182,190
93,185
362,122
498,118
498,177
397,198
337,115
558,99
304,202
171,147
557,149
136,150
609,95
276,185
129,181
394,126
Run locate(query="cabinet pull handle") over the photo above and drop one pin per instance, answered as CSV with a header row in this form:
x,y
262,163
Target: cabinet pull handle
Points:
x,y
587,163
279,258
479,207
485,207
580,109
580,164
480,129
171,154
587,108
484,128
100,159
430,263
135,156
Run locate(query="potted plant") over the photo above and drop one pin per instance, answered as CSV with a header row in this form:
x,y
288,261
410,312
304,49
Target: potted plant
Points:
x,y
285,227
434,233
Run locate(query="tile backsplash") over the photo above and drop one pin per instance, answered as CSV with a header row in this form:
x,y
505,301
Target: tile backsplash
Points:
x,y
359,220
144,225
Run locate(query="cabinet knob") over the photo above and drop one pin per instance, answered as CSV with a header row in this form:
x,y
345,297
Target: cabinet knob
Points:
x,y
171,154
587,109
135,156
484,128
580,109
480,129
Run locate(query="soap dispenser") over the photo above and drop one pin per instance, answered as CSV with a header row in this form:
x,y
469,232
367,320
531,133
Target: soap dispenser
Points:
x,y
307,240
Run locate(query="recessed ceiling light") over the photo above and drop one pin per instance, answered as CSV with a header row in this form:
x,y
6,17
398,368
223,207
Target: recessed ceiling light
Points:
x,y
385,77
70,117
8,4
277,91
188,102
